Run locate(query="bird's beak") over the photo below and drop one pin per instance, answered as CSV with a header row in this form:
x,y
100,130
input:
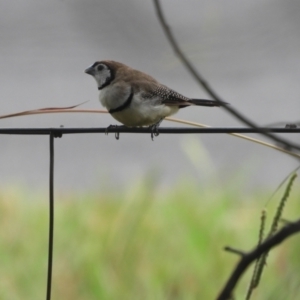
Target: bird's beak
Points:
x,y
90,71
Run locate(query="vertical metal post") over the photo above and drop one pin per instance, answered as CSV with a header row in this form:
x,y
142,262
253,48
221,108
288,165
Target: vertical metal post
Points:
x,y
51,216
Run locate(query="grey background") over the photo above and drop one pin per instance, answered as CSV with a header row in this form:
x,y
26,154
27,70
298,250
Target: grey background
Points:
x,y
247,50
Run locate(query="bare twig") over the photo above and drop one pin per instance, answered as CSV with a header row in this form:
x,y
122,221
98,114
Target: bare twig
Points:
x,y
235,251
199,78
248,258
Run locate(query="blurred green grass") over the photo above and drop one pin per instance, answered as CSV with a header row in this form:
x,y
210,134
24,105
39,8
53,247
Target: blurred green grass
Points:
x,y
141,242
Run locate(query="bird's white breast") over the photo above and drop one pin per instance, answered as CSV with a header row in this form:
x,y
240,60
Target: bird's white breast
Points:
x,y
114,96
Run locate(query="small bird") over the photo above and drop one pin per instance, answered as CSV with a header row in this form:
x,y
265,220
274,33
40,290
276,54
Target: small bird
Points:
x,y
136,99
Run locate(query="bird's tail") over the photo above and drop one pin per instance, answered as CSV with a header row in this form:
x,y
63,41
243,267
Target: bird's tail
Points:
x,y
204,102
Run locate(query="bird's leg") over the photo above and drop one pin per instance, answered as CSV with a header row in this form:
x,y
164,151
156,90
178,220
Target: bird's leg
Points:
x,y
108,128
154,128
117,134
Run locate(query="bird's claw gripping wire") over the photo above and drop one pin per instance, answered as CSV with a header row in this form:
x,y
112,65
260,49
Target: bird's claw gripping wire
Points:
x,y
154,129
117,134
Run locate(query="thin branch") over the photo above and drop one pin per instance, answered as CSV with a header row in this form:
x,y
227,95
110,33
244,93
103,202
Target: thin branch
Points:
x,y
250,257
200,79
234,251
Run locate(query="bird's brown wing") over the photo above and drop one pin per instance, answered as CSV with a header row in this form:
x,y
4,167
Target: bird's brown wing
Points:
x,y
164,95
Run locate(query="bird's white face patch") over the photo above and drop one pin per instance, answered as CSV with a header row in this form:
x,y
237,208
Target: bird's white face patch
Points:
x,y
102,74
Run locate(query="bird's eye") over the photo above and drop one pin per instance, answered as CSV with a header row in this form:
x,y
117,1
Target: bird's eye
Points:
x,y
100,67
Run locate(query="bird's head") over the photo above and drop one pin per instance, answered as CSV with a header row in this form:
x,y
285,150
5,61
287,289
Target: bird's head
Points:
x,y
103,72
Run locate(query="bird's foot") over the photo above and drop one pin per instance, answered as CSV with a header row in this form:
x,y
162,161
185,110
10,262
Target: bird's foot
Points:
x,y
154,129
117,134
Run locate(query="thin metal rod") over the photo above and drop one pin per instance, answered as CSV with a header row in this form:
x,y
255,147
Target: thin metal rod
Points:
x,y
162,130
51,216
